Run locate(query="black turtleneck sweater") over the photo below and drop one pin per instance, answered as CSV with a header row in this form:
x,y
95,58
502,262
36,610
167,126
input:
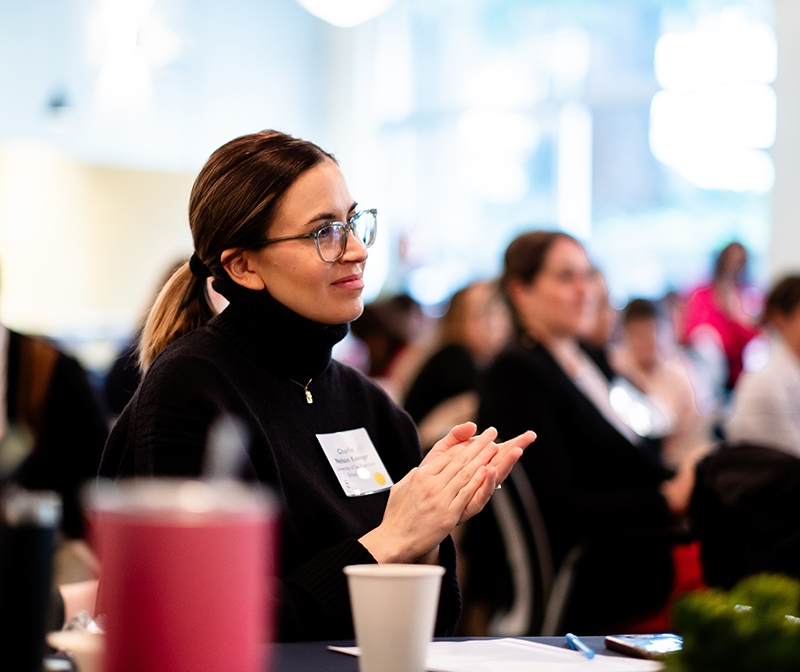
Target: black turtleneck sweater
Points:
x,y
243,363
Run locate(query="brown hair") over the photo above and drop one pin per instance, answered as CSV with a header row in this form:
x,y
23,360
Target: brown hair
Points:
x,y
783,298
721,263
638,309
232,204
524,259
452,323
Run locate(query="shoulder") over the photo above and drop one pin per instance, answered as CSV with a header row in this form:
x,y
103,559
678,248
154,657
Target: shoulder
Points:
x,y
451,353
197,364
600,358
517,360
199,345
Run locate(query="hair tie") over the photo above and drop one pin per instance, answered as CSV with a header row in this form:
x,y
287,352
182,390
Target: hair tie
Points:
x,y
198,268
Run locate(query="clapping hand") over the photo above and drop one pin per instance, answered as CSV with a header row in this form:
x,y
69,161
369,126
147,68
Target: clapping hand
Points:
x,y
452,484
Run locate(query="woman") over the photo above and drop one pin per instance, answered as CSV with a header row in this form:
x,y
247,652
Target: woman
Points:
x,y
594,482
267,214
717,322
471,332
766,403
656,367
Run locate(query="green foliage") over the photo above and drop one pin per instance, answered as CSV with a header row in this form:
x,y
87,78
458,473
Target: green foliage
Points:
x,y
751,628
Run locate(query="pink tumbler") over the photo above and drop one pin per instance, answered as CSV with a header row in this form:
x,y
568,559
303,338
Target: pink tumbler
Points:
x,y
185,571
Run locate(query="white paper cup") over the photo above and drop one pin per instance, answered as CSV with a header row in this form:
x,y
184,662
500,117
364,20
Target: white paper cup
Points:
x,y
394,614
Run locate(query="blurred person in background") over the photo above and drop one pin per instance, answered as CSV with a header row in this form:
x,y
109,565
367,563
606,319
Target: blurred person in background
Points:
x,y
52,430
648,357
124,375
602,329
391,329
595,484
766,401
471,332
718,318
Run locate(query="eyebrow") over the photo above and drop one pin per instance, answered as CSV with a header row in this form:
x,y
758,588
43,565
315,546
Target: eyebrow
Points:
x,y
329,216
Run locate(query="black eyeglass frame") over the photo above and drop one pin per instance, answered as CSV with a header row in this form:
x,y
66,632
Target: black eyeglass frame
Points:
x,y
349,227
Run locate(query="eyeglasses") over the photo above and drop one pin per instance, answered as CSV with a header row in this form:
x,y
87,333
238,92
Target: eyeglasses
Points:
x,y
331,237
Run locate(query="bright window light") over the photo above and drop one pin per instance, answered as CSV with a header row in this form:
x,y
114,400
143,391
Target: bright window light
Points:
x,y
571,55
725,47
496,169
717,110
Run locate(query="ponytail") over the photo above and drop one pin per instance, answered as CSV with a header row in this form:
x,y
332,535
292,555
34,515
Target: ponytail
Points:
x,y
181,306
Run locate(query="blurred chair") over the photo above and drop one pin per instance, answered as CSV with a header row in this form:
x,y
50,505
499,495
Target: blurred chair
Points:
x,y
540,597
745,510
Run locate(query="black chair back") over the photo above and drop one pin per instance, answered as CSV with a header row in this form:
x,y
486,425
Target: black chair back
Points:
x,y
745,510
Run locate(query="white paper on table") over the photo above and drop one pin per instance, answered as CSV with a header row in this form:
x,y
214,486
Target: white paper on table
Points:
x,y
518,655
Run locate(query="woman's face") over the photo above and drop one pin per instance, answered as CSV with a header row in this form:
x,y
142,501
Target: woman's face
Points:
x,y
789,327
560,301
292,271
486,323
641,334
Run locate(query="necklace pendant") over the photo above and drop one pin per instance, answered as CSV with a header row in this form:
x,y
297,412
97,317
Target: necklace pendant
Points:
x,y
309,398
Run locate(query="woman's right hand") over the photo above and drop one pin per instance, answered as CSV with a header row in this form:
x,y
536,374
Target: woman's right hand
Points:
x,y
426,505
454,482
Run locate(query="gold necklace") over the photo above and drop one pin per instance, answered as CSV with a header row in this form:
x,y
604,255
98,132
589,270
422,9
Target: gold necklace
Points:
x,y
309,398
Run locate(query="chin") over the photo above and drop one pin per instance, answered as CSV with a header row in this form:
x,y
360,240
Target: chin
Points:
x,y
355,311
342,316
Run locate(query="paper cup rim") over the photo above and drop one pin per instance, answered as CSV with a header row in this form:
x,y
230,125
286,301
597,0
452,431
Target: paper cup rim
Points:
x,y
394,570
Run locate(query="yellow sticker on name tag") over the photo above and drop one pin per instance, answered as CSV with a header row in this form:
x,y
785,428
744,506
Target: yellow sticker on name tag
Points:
x,y
355,462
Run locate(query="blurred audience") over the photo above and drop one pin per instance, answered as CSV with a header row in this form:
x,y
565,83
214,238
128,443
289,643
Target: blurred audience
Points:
x,y
647,356
595,484
123,377
52,432
602,329
766,402
469,334
718,318
391,329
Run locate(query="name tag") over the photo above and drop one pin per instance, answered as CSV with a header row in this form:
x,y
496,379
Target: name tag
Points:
x,y
355,462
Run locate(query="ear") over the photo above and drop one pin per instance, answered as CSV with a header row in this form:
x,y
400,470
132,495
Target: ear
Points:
x,y
516,289
242,269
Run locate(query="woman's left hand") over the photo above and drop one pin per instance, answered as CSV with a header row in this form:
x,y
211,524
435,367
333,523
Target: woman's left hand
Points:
x,y
508,452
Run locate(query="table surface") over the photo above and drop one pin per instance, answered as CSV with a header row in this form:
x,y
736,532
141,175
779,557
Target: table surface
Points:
x,y
315,657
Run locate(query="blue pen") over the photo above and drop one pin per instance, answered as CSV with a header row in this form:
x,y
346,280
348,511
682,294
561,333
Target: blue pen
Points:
x,y
578,645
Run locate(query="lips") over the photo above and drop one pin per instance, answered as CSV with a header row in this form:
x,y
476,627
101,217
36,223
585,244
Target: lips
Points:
x,y
350,282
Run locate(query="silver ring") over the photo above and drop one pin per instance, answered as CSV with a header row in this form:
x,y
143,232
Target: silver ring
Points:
x,y
499,486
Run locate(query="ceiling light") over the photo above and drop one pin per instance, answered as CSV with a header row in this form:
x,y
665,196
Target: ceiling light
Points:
x,y
346,13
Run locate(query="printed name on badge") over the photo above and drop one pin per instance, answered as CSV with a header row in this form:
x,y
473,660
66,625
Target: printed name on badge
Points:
x,y
355,462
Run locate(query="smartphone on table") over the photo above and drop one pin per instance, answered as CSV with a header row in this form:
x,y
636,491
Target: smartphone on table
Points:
x,y
653,647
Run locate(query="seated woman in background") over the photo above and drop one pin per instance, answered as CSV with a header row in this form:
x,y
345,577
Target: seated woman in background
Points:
x,y
273,222
766,403
717,320
595,485
655,367
471,332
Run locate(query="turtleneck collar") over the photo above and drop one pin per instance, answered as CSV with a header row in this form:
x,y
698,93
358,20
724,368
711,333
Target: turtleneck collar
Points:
x,y
273,336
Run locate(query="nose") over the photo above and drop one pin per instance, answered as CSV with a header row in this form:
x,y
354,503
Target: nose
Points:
x,y
354,250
